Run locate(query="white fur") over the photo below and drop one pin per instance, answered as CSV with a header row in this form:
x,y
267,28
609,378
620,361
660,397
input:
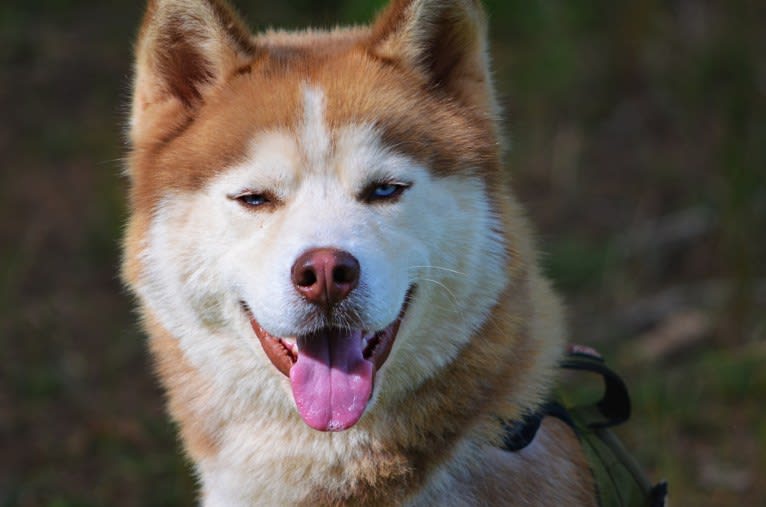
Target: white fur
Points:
x,y
315,137
205,253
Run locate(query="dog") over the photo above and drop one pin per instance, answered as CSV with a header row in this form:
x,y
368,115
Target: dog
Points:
x,y
342,294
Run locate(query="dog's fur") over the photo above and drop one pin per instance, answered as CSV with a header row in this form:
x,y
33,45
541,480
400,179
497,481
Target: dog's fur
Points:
x,y
305,123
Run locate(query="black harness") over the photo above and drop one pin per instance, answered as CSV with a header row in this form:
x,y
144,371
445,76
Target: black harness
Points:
x,y
619,479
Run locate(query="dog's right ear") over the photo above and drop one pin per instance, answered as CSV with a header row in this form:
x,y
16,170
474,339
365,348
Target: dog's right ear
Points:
x,y
185,49
445,41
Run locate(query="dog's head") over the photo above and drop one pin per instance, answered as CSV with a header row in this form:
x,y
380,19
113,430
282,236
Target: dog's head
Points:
x,y
322,204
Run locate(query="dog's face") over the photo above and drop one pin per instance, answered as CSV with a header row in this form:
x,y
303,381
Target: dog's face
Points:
x,y
314,210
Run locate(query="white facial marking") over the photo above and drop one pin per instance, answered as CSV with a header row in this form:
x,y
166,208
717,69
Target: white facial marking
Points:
x,y
314,135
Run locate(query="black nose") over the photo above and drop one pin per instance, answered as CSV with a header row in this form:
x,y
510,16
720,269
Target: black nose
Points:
x,y
325,276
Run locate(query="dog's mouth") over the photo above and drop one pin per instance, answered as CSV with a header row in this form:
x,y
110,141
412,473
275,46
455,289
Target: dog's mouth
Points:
x,y
331,370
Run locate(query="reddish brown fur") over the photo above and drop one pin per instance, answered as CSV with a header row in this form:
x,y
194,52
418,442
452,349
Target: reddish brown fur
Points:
x,y
187,392
361,86
435,130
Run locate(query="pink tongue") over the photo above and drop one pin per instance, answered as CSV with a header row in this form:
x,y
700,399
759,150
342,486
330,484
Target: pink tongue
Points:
x,y
332,382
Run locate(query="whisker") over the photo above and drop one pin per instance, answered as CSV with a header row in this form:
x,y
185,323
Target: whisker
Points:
x,y
112,161
446,289
439,268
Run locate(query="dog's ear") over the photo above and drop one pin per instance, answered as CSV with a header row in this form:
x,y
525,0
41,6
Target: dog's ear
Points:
x,y
185,48
445,40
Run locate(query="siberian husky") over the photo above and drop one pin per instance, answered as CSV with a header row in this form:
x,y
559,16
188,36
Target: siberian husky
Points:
x,y
342,295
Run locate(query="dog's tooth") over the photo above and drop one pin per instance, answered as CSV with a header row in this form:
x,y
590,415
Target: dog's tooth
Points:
x,y
290,344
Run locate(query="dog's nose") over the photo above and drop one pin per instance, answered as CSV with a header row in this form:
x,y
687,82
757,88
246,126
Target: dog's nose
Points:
x,y
325,276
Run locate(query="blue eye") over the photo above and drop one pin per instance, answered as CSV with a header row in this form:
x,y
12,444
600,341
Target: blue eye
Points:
x,y
253,200
385,191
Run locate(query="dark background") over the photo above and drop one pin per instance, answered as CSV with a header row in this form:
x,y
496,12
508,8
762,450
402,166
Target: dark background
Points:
x,y
638,134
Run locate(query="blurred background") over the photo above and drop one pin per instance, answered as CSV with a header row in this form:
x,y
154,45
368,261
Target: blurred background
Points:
x,y
638,143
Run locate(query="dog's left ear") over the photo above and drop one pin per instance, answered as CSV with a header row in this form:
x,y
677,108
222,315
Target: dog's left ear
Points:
x,y
445,41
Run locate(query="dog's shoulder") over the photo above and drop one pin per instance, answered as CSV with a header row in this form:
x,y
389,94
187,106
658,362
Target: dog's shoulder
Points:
x,y
551,470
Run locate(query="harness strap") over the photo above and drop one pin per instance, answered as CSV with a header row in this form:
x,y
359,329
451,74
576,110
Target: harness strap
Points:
x,y
519,434
614,406
620,481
